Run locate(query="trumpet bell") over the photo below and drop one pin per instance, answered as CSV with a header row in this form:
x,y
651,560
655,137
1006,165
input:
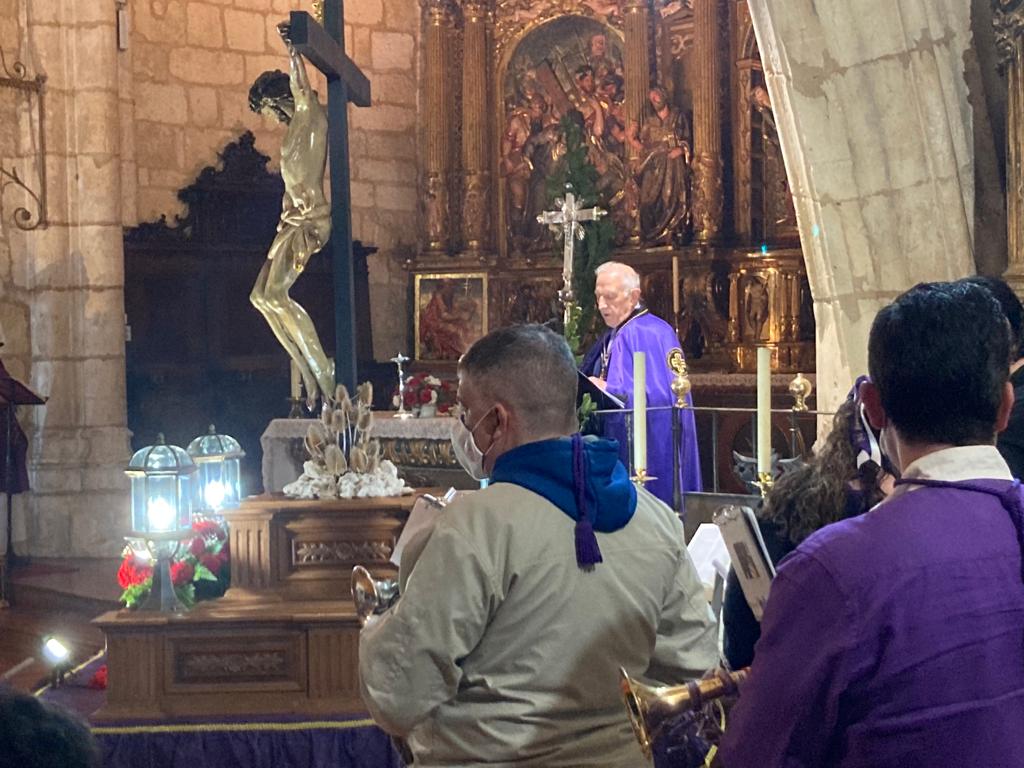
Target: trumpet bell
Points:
x,y
371,595
650,708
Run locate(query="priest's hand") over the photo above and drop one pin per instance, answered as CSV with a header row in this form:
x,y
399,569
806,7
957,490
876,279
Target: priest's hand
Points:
x,y
599,383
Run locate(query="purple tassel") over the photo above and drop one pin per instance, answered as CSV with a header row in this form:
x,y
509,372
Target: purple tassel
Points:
x,y
587,551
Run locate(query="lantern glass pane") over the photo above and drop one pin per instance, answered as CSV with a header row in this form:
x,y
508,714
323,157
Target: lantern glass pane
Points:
x,y
186,489
139,504
161,504
233,481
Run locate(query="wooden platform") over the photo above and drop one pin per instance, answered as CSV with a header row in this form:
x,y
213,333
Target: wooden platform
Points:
x,y
285,637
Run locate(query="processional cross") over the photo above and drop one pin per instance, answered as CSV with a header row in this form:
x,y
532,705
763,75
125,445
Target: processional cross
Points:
x,y
324,46
566,221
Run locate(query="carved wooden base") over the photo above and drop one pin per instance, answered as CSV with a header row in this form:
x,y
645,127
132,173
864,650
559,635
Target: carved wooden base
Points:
x,y
293,549
247,660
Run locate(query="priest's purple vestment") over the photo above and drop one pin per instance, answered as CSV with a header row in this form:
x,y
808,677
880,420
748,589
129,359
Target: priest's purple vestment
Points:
x,y
896,639
644,332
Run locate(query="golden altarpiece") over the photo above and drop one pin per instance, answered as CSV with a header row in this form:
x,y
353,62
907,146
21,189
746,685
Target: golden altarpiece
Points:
x,y
679,127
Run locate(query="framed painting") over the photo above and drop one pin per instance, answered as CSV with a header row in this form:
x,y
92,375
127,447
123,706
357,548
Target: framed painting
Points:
x,y
450,313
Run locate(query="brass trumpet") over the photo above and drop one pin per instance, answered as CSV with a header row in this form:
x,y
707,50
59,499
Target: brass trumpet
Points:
x,y
652,708
372,595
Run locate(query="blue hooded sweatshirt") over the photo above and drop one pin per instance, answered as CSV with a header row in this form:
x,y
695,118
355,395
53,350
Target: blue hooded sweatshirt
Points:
x,y
574,473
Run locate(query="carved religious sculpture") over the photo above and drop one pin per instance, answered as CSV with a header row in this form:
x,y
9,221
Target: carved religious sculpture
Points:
x,y
663,171
305,224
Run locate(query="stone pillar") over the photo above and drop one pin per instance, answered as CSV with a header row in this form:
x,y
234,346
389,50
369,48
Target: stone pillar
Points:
x,y
476,181
436,127
637,63
1008,17
884,200
73,275
707,124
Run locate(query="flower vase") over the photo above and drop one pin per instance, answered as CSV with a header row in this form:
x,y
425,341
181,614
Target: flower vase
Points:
x,y
428,411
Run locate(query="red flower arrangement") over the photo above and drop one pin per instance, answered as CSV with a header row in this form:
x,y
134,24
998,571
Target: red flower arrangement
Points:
x,y
423,389
201,570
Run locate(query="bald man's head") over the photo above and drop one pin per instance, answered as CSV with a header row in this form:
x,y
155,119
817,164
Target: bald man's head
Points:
x,y
617,292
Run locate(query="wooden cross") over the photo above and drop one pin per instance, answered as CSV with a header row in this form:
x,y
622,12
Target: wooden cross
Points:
x,y
567,221
324,46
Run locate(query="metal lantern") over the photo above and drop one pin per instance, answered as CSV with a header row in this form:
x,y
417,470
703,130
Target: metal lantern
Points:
x,y
162,489
217,459
163,478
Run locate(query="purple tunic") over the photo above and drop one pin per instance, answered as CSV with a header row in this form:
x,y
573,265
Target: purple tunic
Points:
x,y
649,334
892,640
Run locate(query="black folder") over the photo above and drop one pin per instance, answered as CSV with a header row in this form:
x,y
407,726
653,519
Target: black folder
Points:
x,y
605,400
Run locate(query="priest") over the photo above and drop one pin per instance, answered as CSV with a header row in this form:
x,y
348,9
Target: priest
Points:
x,y
609,364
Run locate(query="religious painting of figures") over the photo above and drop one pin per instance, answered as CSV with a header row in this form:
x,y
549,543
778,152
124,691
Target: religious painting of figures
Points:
x,y
451,313
571,67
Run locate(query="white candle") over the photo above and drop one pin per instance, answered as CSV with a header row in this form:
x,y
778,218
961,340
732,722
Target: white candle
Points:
x,y
675,287
639,413
295,390
764,409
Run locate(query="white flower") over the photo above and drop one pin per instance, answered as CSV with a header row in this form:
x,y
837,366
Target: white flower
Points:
x,y
433,396
433,381
395,401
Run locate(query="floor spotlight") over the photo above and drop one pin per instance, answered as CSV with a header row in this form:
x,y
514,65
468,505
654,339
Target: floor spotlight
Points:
x,y
58,656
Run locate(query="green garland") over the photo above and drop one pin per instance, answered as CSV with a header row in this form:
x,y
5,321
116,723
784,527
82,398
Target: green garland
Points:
x,y
579,173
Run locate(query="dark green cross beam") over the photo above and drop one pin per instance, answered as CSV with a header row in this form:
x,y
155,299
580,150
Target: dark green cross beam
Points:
x,y
324,46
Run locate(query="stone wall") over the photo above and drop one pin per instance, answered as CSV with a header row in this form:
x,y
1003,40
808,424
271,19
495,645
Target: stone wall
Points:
x,y
190,65
875,125
63,294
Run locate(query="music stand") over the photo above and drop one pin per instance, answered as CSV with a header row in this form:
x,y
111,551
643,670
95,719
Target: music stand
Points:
x,y
12,394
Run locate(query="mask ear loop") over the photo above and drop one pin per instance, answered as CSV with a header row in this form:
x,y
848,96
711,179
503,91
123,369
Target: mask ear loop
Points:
x,y
874,452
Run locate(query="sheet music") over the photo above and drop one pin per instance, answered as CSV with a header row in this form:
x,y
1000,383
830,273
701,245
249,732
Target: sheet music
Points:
x,y
709,553
422,518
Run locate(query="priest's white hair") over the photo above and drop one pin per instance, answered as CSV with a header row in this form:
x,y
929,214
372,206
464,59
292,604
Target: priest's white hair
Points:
x,y
628,275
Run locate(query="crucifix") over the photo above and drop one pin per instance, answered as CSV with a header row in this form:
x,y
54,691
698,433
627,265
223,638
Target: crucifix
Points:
x,y
324,46
566,221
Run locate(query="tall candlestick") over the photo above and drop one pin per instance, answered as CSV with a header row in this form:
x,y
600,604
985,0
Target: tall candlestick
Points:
x,y
296,391
639,413
675,289
764,410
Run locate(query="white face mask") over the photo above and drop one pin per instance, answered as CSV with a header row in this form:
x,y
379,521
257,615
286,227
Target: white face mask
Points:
x,y
468,455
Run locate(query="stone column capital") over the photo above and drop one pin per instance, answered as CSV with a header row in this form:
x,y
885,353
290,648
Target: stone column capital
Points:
x,y
435,11
475,11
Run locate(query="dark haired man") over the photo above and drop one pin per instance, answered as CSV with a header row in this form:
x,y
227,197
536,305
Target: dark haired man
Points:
x,y
529,595
893,639
38,735
1011,440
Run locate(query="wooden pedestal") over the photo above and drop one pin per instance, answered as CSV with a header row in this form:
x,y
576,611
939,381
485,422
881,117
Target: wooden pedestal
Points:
x,y
285,637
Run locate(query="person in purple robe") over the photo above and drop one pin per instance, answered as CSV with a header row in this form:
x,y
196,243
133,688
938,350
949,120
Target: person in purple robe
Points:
x,y
894,639
609,364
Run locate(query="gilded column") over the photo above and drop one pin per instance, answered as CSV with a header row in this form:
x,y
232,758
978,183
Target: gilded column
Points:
x,y
707,123
476,181
1008,17
637,63
436,127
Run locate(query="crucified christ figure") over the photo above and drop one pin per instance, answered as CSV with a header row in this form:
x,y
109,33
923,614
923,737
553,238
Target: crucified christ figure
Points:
x,y
305,224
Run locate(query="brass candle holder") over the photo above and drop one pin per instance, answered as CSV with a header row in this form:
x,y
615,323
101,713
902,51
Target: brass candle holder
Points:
x,y
765,481
800,388
681,384
642,477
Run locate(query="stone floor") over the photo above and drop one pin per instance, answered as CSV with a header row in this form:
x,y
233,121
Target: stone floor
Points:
x,y
59,598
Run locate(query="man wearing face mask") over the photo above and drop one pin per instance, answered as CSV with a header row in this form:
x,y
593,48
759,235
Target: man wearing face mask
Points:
x,y
530,594
632,328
